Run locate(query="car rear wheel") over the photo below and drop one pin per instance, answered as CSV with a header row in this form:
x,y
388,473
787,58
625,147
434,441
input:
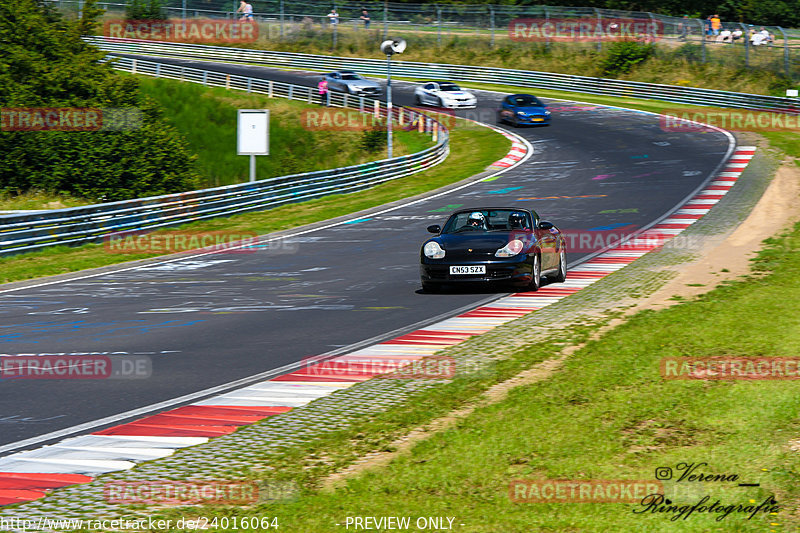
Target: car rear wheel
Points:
x,y
561,275
536,274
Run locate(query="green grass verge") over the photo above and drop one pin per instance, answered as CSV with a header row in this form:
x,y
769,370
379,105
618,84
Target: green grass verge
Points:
x,y
472,150
206,117
608,414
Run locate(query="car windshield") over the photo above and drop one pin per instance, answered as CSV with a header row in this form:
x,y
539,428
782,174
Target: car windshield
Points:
x,y
351,77
448,87
526,100
487,220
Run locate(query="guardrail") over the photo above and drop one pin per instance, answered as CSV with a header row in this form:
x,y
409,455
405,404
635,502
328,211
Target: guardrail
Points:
x,y
463,73
78,225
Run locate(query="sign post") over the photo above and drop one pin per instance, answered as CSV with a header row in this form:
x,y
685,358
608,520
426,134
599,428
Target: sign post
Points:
x,y
252,135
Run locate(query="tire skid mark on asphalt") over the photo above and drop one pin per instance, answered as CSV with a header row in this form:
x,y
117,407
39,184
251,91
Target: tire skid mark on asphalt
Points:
x,y
29,475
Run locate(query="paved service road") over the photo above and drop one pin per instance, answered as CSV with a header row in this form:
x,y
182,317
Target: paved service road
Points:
x,y
208,320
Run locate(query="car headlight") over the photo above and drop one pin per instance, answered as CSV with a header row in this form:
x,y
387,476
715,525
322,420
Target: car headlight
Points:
x,y
520,113
547,112
432,250
510,250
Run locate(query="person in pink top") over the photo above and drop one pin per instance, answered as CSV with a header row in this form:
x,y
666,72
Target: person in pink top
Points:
x,y
322,87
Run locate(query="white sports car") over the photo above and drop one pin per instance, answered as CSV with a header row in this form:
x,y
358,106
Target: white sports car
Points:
x,y
444,94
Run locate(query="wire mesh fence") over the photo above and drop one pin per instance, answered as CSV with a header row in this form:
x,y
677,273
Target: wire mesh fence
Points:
x,y
728,43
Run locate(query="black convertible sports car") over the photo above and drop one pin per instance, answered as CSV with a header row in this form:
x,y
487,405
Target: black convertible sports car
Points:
x,y
503,244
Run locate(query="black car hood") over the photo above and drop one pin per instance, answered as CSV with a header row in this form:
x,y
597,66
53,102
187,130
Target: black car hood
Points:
x,y
472,244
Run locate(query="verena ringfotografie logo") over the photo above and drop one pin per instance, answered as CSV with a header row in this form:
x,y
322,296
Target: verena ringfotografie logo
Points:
x,y
582,491
731,368
170,242
70,119
169,492
584,29
183,30
75,366
698,120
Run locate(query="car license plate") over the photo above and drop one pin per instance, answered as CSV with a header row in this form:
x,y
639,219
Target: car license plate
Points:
x,y
538,120
474,269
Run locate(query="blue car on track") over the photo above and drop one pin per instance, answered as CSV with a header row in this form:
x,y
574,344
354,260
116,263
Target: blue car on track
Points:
x,y
521,109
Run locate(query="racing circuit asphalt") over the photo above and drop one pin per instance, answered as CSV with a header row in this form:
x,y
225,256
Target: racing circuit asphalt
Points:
x,y
209,320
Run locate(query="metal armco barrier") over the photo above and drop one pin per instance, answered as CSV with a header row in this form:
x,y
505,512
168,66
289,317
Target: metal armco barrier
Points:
x,y
79,225
463,73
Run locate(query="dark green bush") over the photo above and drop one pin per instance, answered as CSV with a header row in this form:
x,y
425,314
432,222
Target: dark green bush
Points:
x,y
145,10
622,56
44,63
373,140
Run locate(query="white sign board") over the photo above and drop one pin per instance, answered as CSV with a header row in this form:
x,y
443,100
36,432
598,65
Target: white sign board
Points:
x,y
253,132
791,92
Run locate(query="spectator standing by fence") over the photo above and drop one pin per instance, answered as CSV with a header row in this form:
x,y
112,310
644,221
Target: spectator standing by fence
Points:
x,y
716,24
322,87
365,17
683,28
246,10
333,17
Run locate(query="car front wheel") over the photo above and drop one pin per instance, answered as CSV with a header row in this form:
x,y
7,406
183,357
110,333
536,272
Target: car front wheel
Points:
x,y
536,274
561,275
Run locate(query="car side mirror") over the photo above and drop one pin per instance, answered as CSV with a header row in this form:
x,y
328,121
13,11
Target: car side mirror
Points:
x,y
546,225
436,228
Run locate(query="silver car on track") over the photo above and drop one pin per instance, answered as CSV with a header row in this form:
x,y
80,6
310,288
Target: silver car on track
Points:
x,y
348,81
444,94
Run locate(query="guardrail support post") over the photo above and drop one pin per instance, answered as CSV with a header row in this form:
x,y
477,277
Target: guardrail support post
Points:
x,y
249,84
228,81
785,53
205,77
310,93
746,38
438,25
281,19
377,108
435,132
702,40
158,70
491,23
547,34
269,89
385,20
599,34
133,66
290,92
